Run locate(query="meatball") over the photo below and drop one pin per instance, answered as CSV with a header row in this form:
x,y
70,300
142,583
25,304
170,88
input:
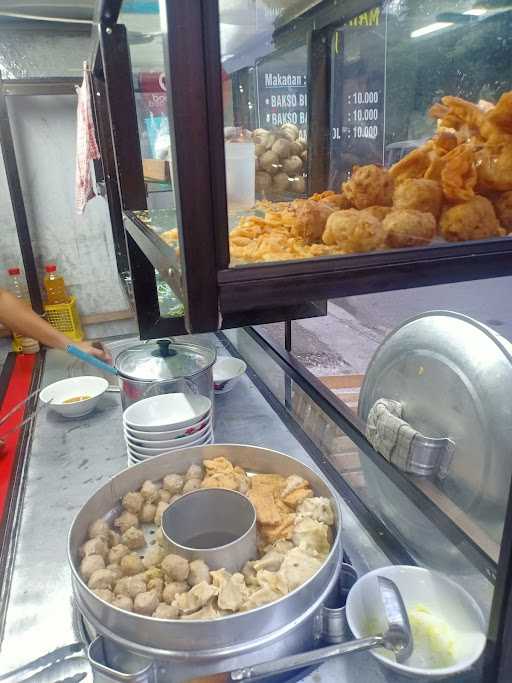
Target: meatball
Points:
x,y
156,585
154,555
199,571
145,603
160,539
336,201
133,502
503,208
113,538
147,513
129,586
96,546
409,228
164,611
125,521
90,564
98,528
173,483
419,194
116,554
116,571
354,231
263,181
160,509
173,589
101,578
131,565
149,491
473,220
281,148
191,485
176,568
105,594
123,602
164,496
133,538
369,186
269,163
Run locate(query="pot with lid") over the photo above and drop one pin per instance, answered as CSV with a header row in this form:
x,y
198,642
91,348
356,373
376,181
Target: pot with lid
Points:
x,y
165,366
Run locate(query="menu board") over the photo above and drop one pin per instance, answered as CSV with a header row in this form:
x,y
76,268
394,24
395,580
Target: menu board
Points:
x,y
281,87
357,111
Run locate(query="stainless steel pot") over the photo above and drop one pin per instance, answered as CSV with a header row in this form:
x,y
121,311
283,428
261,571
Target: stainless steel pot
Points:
x,y
164,367
289,625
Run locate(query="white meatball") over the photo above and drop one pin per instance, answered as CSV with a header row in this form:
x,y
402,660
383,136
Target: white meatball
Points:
x,y
90,564
173,589
123,602
104,594
96,546
160,509
101,578
149,491
199,571
194,472
147,513
98,528
113,538
176,568
146,603
154,555
125,521
116,571
164,611
173,483
156,585
191,485
116,554
133,502
133,538
129,586
131,565
164,495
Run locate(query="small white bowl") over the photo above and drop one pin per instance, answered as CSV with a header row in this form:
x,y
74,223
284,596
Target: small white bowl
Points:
x,y
136,454
173,443
441,596
226,373
167,412
170,435
58,392
141,450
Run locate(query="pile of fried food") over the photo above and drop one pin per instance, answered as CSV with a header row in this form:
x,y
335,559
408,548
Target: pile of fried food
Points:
x,y
294,538
457,186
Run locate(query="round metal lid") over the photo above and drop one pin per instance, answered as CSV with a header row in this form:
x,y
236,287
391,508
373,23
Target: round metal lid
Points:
x,y
164,359
452,376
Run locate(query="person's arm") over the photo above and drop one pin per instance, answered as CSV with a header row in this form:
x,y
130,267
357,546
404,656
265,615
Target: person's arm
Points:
x,y
17,315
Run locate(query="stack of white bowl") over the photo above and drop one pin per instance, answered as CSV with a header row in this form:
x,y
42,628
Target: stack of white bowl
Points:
x,y
167,422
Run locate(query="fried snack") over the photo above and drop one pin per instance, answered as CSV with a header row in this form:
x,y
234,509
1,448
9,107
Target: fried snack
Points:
x,y
444,141
419,194
378,212
494,168
337,201
413,165
497,124
408,228
458,174
462,112
310,219
503,208
369,186
220,474
354,231
473,220
170,236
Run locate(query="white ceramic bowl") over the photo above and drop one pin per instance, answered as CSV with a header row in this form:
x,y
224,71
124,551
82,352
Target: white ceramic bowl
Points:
x,y
170,435
58,392
441,596
167,412
173,443
138,455
142,450
226,373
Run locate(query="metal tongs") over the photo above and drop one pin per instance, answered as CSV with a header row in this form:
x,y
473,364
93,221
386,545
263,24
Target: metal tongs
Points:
x,y
397,638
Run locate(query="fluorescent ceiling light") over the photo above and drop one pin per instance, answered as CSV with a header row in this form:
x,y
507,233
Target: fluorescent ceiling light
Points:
x,y
475,12
430,28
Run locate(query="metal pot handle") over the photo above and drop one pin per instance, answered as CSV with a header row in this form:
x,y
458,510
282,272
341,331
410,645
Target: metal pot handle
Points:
x,y
97,659
404,446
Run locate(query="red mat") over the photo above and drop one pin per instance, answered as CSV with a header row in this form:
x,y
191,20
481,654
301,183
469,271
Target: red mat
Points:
x,y
18,389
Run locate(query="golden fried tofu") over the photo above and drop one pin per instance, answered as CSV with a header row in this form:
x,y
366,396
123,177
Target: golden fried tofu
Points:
x,y
408,228
282,531
336,201
419,194
473,220
369,186
378,212
503,208
413,165
221,474
310,219
354,231
267,512
494,168
459,173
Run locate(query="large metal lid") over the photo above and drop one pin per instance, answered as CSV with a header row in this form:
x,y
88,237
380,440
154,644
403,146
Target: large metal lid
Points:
x,y
452,376
164,359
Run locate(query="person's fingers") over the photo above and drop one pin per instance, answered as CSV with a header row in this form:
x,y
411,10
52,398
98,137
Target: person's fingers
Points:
x,y
103,355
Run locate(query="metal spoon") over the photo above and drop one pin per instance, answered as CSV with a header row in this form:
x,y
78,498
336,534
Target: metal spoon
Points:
x,y
397,639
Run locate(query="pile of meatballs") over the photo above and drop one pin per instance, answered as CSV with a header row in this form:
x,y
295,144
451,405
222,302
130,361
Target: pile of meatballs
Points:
x,y
126,570
281,158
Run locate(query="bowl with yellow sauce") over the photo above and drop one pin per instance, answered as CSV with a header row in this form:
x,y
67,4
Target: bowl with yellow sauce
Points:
x,y
448,627
76,396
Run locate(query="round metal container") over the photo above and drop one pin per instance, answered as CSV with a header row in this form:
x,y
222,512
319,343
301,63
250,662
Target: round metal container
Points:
x,y
164,367
452,376
288,625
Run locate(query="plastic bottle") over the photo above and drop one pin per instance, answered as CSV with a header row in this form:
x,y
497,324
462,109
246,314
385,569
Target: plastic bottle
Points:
x,y
18,287
55,286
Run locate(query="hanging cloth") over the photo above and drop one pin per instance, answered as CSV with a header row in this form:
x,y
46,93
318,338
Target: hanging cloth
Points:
x,y
86,145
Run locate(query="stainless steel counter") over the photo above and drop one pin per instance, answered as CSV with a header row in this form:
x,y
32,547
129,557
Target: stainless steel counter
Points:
x,y
69,459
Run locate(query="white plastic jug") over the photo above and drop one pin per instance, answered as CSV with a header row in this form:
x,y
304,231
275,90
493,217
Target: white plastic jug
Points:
x,y
240,174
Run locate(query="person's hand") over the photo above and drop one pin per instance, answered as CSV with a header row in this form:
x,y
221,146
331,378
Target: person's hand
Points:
x,y
96,350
